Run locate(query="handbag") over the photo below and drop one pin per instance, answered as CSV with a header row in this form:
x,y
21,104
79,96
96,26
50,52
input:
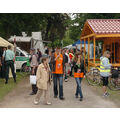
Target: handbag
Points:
x,y
33,79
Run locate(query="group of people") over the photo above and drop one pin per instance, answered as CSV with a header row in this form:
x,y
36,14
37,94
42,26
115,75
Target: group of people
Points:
x,y
54,66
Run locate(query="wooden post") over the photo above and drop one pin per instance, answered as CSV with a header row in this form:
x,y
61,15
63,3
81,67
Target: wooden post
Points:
x,y
88,54
84,50
114,51
94,48
103,47
111,49
80,44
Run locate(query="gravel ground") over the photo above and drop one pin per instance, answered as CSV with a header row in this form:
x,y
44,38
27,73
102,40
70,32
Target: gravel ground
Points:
x,y
20,98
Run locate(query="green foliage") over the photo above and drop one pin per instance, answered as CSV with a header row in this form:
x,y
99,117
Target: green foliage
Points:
x,y
78,22
67,40
52,25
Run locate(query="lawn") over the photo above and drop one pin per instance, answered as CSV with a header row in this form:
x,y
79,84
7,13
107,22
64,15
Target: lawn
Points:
x,y
6,88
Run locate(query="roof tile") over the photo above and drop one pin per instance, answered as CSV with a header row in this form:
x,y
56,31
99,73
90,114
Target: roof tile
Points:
x,y
105,26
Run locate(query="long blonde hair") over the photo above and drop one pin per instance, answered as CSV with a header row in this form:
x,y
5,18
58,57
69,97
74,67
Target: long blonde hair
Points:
x,y
76,57
105,53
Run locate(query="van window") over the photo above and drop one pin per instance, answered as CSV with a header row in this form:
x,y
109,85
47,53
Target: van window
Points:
x,y
21,54
17,53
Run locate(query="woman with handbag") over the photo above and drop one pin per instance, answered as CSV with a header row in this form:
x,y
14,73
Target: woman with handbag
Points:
x,y
43,81
79,74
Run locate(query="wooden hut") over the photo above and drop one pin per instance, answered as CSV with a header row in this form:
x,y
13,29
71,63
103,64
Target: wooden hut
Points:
x,y
107,30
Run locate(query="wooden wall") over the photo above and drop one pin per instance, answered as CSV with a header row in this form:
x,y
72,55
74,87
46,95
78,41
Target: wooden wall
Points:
x,y
113,45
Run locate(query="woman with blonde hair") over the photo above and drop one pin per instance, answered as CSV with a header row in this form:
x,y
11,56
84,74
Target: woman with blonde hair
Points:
x,y
79,73
105,68
43,81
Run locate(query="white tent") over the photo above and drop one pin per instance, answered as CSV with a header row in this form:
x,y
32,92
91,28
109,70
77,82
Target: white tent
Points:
x,y
69,46
5,43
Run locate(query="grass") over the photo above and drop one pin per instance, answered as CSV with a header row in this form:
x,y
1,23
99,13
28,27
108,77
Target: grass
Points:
x,y
6,88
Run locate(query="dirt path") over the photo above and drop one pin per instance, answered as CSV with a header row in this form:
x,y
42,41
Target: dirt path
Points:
x,y
20,98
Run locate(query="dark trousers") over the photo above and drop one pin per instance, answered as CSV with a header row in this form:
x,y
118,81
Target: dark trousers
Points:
x,y
71,70
34,87
56,78
10,64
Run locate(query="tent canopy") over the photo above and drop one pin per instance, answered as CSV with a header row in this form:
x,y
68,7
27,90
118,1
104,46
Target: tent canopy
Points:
x,y
4,43
78,42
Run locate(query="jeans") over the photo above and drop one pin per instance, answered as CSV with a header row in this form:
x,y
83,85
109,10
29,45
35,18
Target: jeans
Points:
x,y
56,78
78,89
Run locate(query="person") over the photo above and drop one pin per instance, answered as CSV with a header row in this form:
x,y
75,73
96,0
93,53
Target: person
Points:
x,y
3,67
33,65
43,81
68,64
65,57
9,58
58,71
0,66
49,59
39,54
82,52
46,50
71,55
86,58
105,68
79,74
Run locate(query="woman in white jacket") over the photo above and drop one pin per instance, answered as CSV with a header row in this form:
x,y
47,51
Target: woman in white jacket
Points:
x,y
43,81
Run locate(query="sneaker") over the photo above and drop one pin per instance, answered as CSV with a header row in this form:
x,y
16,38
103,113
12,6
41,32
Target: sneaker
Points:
x,y
76,96
66,80
107,94
48,103
32,93
6,82
14,80
81,99
62,98
36,102
55,96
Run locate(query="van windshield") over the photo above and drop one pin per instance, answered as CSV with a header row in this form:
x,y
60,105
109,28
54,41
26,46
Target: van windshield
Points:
x,y
24,51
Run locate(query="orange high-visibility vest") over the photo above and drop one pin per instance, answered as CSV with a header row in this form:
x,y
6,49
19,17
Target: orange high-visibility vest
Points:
x,y
59,64
78,75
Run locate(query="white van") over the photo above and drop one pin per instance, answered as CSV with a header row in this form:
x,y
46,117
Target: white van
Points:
x,y
21,58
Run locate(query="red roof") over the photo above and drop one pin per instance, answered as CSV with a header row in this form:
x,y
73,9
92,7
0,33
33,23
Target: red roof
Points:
x,y
105,26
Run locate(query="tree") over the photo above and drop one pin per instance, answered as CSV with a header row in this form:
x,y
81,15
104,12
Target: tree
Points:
x,y
78,22
52,25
